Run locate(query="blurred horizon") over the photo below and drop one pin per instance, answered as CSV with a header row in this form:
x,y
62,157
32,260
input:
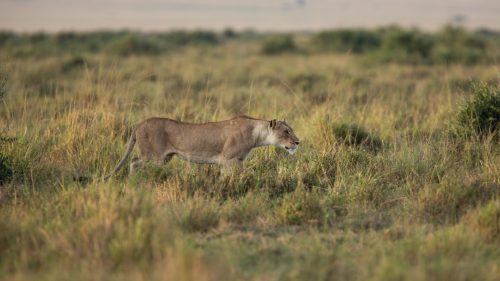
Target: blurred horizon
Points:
x,y
259,15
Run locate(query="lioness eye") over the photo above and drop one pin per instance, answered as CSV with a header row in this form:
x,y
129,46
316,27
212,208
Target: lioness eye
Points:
x,y
287,131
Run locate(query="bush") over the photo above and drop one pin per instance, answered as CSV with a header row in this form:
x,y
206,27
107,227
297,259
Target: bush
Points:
x,y
6,37
75,62
183,38
480,114
38,37
10,166
203,37
278,45
406,46
394,44
5,168
64,38
135,45
455,45
356,41
229,33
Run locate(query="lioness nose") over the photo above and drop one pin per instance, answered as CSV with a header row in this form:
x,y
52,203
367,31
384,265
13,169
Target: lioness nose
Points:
x,y
297,142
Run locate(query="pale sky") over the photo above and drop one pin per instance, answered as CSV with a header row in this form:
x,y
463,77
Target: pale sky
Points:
x,y
264,15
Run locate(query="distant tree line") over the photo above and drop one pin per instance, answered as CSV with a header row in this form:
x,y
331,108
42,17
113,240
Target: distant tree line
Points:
x,y
394,44
389,44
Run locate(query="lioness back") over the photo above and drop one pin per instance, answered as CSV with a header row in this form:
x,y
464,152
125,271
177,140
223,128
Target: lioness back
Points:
x,y
188,137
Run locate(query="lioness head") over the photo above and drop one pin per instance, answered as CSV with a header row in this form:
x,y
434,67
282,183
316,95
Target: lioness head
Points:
x,y
284,136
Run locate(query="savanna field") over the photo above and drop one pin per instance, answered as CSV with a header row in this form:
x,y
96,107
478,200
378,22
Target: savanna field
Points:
x,y
397,176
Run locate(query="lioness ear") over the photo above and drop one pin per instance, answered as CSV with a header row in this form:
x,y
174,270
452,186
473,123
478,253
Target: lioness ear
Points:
x,y
272,123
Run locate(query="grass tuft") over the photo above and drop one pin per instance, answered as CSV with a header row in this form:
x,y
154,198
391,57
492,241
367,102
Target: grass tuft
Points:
x,y
479,116
301,207
197,216
349,135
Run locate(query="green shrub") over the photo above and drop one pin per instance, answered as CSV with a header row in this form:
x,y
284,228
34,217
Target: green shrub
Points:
x,y
176,38
455,45
6,37
480,114
406,46
394,44
203,37
278,45
38,37
356,41
5,168
183,38
135,45
12,166
74,62
63,38
229,33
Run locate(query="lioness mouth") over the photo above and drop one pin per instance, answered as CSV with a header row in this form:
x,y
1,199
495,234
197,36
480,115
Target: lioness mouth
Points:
x,y
287,148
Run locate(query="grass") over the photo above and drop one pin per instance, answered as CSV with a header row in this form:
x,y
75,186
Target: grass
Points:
x,y
380,189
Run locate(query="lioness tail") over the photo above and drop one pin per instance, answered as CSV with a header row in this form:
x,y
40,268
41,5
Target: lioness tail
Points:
x,y
130,147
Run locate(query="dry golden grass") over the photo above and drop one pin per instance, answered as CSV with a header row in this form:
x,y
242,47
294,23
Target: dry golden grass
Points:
x,y
422,206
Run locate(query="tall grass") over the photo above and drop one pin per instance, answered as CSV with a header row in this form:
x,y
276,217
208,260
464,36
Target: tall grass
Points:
x,y
379,189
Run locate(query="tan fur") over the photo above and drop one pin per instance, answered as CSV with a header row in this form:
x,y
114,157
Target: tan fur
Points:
x,y
227,143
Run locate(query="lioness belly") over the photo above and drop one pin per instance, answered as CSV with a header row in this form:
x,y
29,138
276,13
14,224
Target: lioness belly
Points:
x,y
199,159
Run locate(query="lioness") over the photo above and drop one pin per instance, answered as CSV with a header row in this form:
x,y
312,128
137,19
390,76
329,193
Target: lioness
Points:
x,y
227,143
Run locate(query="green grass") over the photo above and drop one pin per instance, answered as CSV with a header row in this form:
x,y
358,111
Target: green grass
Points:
x,y
380,189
